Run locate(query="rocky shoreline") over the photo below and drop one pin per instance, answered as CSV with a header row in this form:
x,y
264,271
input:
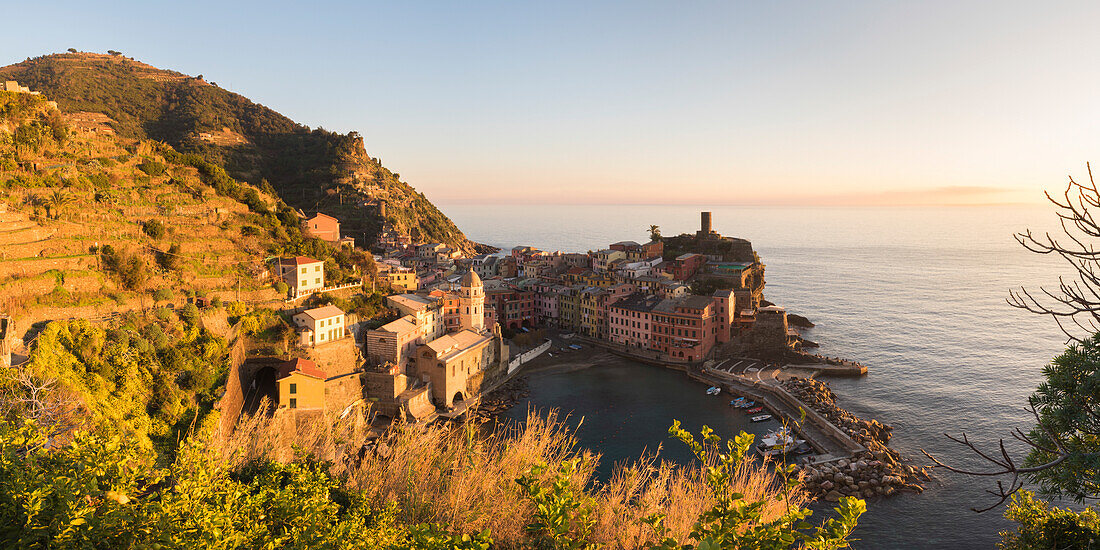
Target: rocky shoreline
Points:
x,y
880,471
502,398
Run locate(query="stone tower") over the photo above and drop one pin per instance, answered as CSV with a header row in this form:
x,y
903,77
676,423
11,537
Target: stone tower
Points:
x,y
471,303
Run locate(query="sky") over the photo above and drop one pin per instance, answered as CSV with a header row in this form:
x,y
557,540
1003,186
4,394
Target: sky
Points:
x,y
728,103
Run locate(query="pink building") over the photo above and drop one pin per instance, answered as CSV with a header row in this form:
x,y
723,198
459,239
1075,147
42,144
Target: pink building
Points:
x,y
629,320
686,266
684,328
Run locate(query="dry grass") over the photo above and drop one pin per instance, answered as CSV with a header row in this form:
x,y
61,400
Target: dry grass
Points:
x,y
464,476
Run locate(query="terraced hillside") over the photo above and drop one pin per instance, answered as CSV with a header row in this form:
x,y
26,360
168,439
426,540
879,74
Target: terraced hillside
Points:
x,y
92,223
311,169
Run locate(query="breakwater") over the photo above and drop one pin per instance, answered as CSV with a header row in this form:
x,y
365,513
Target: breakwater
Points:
x,y
878,471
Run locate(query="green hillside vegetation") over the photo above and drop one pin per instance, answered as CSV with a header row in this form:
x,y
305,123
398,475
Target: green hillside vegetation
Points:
x,y
146,379
94,222
311,169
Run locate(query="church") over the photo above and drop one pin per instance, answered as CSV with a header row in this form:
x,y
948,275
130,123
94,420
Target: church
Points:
x,y
453,363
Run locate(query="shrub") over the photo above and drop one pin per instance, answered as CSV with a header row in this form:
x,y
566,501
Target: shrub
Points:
x,y
1041,526
153,168
154,228
162,295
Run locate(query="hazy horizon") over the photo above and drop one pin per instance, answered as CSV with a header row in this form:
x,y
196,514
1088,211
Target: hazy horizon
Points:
x,y
746,104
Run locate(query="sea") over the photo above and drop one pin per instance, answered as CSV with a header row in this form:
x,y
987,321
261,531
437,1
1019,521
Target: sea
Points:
x,y
917,294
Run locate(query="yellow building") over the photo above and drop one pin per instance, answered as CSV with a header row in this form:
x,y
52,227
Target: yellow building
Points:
x,y
403,278
301,385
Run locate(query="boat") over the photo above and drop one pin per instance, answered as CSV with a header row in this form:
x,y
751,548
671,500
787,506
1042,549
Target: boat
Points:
x,y
574,347
778,442
755,410
714,390
803,449
761,417
747,405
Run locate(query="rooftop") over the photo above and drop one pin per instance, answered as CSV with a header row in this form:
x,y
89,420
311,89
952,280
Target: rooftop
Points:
x,y
304,366
400,326
410,301
298,260
637,302
323,312
449,345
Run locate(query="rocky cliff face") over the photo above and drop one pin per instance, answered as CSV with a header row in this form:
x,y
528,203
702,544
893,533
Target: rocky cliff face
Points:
x,y
310,169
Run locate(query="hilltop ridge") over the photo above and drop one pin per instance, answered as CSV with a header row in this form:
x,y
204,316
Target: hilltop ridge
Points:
x,y
310,169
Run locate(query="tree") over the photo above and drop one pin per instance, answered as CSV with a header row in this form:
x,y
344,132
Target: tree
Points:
x,y
654,233
72,50
1064,455
1075,303
171,258
56,201
113,52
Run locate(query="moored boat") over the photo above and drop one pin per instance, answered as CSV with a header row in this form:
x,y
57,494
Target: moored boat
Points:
x,y
778,442
755,410
761,418
714,390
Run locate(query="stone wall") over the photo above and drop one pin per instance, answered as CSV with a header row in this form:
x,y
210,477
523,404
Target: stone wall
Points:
x,y
232,401
336,358
418,405
380,385
13,268
342,391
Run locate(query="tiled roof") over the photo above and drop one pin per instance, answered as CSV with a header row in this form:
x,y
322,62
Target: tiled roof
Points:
x,y
298,260
304,366
323,312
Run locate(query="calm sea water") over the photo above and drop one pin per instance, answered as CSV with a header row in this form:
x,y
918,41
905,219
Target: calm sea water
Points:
x,y
917,294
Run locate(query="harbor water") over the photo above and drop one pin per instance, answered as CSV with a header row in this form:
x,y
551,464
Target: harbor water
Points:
x,y
917,294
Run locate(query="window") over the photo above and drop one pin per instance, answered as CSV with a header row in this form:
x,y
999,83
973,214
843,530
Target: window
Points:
x,y
317,281
303,270
293,403
304,282
293,388
317,268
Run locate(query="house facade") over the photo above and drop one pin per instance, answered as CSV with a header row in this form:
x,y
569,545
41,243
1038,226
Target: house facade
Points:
x,y
303,275
320,325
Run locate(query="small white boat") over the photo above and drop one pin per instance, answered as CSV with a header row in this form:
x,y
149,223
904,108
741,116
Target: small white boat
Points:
x,y
778,442
714,390
761,417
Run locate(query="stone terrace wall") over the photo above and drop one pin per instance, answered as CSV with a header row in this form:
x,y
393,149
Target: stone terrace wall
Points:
x,y
232,401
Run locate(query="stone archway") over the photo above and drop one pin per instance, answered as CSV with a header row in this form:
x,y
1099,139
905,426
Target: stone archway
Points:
x,y
458,397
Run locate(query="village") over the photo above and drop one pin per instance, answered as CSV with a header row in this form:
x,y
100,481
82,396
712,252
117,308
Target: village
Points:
x,y
461,326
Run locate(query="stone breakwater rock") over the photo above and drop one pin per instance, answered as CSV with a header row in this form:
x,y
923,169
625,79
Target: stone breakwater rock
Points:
x,y
879,471
503,398
863,478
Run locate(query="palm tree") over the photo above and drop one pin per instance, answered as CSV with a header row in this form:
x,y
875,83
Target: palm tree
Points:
x,y
58,200
654,233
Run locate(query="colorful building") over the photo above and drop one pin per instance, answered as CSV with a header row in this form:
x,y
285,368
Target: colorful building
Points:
x,y
301,385
629,321
302,275
322,226
320,325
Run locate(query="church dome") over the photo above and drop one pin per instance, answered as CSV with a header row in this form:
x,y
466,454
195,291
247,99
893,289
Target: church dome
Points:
x,y
470,279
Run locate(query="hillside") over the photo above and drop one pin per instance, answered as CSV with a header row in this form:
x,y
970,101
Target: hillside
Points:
x,y
311,169
91,222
